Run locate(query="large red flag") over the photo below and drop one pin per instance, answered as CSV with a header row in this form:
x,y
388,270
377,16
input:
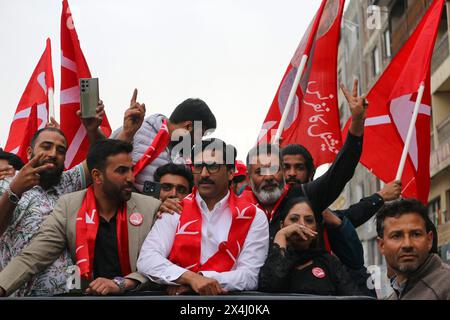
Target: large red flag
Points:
x,y
73,67
313,120
391,104
36,93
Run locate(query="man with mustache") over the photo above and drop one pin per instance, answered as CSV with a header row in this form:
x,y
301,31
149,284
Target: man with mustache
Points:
x,y
102,227
218,242
29,197
405,238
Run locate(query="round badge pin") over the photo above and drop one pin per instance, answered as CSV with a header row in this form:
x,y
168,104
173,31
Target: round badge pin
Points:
x,y
318,273
136,219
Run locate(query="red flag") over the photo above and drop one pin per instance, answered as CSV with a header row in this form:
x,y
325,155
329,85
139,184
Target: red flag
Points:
x,y
391,104
35,94
73,67
313,120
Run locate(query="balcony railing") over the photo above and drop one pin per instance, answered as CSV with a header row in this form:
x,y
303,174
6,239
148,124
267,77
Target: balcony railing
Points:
x,y
441,52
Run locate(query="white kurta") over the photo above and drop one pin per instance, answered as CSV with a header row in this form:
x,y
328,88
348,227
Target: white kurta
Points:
x,y
216,224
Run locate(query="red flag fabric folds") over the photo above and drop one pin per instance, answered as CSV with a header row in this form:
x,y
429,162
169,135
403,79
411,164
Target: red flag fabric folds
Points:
x,y
73,67
391,104
313,120
35,94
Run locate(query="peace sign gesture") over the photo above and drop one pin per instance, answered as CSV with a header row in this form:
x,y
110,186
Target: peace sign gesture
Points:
x,y
358,106
28,176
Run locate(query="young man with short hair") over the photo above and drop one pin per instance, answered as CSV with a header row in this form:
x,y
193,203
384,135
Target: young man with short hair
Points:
x,y
176,181
155,141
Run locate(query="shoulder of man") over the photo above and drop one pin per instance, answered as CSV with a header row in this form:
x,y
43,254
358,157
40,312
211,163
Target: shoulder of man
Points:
x,y
73,200
148,204
438,277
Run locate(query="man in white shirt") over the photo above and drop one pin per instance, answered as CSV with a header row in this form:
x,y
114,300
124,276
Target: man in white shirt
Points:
x,y
218,242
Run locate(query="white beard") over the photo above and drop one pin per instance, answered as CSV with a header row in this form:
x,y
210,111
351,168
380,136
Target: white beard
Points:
x,y
267,197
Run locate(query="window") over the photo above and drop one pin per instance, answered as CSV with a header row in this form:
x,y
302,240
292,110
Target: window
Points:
x,y
387,44
434,210
376,61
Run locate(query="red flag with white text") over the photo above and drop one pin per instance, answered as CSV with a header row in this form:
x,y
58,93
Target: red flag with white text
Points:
x,y
313,120
391,105
35,94
73,67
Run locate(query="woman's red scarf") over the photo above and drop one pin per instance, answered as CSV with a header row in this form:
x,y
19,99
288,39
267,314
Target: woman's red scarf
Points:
x,y
158,145
86,233
186,248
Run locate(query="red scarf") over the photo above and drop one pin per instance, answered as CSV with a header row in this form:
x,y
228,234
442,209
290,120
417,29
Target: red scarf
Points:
x,y
187,244
86,233
158,145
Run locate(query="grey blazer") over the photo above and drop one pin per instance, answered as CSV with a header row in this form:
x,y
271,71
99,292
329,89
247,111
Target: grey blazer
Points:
x,y
58,233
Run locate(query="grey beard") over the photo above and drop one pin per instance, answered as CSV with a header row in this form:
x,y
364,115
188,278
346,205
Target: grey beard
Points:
x,y
266,197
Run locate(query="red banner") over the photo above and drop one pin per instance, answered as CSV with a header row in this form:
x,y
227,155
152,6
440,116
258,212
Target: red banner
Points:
x,y
313,120
35,94
73,67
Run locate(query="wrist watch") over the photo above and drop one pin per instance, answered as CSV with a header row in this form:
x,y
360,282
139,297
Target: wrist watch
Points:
x,y
12,197
120,282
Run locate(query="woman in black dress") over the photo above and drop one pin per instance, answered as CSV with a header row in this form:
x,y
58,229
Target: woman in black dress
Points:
x,y
297,262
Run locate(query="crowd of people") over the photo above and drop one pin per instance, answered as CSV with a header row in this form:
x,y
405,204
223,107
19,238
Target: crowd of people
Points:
x,y
215,226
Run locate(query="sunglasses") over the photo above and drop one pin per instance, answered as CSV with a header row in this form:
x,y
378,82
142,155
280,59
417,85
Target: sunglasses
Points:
x,y
211,167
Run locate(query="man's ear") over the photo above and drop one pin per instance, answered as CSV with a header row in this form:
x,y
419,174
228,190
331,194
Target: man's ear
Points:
x,y
29,153
97,176
380,243
430,237
188,125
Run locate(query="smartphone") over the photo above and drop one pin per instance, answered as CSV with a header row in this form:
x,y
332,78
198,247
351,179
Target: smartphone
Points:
x,y
152,189
89,97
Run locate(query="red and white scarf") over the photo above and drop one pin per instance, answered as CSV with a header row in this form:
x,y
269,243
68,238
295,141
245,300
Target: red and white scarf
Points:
x,y
158,145
186,248
86,233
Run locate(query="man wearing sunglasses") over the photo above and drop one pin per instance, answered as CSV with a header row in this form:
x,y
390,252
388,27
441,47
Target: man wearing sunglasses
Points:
x,y
218,242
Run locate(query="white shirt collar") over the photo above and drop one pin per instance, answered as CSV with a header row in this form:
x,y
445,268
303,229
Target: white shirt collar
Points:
x,y
221,205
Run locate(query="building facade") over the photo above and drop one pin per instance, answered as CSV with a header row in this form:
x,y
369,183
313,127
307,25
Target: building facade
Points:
x,y
372,32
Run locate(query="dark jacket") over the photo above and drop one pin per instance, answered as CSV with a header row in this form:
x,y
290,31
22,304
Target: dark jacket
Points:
x,y
430,282
325,276
322,192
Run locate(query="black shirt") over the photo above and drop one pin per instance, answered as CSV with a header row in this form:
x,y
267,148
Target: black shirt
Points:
x,y
324,275
106,259
322,192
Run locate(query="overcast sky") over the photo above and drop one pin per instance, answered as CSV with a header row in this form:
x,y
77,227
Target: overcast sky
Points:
x,y
230,53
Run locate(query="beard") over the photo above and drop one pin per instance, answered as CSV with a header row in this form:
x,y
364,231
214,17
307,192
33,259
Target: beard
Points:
x,y
50,177
116,193
267,197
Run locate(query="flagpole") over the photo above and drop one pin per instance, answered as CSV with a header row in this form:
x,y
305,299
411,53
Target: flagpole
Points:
x,y
412,124
51,104
290,99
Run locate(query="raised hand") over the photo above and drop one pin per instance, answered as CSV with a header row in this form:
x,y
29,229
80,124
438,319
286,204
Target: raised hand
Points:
x,y
28,176
358,106
92,124
52,124
391,190
134,116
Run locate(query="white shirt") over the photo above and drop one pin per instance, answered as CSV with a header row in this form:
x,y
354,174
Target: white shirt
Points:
x,y
216,224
